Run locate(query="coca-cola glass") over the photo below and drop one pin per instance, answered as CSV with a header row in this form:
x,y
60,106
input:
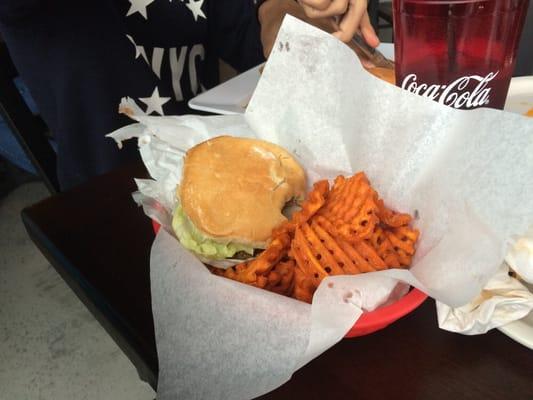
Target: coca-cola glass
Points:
x,y
460,53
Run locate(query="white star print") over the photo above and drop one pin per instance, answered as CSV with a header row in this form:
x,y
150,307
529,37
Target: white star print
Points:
x,y
139,50
196,8
139,6
155,102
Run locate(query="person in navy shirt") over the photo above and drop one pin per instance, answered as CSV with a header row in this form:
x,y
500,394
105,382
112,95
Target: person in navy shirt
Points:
x,y
79,58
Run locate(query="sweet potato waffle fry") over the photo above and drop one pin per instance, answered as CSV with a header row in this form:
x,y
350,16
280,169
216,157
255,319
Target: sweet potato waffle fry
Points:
x,y
345,229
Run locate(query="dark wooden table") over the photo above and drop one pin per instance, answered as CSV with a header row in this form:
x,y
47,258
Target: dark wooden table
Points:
x,y
99,241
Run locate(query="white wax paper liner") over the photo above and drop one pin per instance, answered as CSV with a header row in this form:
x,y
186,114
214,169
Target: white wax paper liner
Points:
x,y
466,174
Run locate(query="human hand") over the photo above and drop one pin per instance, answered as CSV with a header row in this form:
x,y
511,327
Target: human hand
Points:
x,y
271,14
350,16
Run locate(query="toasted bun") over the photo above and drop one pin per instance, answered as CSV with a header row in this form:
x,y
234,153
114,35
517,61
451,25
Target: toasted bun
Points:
x,y
234,188
386,74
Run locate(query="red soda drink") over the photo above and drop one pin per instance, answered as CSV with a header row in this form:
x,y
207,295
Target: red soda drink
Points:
x,y
460,53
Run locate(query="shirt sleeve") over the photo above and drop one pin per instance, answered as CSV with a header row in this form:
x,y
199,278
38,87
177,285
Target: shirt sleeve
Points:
x,y
235,33
77,71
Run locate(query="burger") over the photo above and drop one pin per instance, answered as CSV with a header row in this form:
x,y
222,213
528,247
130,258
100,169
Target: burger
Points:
x,y
232,194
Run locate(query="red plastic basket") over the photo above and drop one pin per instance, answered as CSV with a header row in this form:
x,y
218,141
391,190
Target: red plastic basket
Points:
x,y
376,320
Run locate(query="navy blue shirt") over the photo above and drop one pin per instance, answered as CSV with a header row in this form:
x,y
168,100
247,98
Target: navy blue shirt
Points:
x,y
79,58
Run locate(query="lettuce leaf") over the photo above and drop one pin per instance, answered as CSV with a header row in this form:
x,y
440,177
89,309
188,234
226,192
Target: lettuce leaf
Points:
x,y
191,238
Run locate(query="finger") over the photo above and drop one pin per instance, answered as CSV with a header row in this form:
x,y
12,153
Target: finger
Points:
x,y
310,12
368,32
326,24
267,49
316,4
336,7
350,21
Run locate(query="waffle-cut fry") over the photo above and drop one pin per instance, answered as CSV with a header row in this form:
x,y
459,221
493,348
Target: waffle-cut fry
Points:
x,y
327,225
406,233
380,242
391,259
397,241
277,249
253,272
314,202
377,238
347,195
340,195
361,263
281,278
356,199
305,259
336,192
347,265
405,259
304,287
362,226
345,229
260,282
407,246
392,218
323,254
370,255
360,199
334,197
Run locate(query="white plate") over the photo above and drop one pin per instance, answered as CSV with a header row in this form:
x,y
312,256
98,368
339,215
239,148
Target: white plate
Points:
x,y
520,95
520,100
232,96
521,331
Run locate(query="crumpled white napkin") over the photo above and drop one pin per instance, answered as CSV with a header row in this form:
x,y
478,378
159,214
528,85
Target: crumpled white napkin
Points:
x,y
520,256
503,300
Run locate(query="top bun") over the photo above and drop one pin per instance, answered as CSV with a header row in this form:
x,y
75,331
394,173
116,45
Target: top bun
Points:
x,y
233,189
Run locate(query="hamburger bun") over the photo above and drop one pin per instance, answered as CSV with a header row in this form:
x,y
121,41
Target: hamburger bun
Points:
x,y
234,189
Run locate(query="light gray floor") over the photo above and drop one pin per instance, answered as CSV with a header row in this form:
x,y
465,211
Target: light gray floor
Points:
x,y
50,345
